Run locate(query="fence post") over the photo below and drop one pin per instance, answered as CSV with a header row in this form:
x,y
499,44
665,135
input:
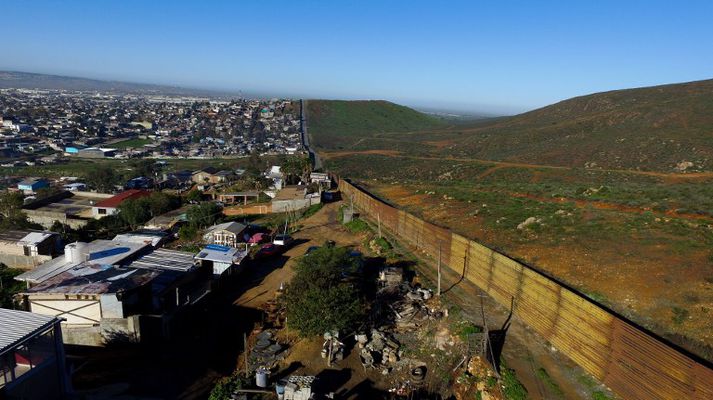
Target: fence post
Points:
x,y
439,269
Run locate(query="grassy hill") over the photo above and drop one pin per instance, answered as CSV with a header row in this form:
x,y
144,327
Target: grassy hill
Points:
x,y
661,128
335,124
653,128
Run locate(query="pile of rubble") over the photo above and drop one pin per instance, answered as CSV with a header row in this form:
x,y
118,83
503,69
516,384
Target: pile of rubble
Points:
x,y
379,350
296,388
266,352
413,311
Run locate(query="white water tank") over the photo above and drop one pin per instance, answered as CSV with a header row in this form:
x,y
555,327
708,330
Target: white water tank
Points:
x,y
74,252
261,377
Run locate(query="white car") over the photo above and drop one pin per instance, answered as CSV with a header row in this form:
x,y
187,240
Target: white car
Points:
x,y
283,240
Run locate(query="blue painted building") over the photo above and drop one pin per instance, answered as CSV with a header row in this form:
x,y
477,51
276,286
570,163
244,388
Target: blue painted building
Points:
x,y
32,185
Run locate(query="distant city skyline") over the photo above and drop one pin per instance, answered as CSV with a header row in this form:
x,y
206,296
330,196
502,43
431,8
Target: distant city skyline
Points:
x,y
498,58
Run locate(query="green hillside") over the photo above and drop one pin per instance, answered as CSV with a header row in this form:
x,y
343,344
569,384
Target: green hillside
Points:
x,y
653,128
335,124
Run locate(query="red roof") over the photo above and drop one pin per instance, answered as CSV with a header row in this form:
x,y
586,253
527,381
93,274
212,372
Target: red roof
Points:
x,y
113,202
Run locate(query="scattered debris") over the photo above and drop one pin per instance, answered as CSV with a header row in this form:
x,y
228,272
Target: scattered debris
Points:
x,y
391,276
295,388
266,352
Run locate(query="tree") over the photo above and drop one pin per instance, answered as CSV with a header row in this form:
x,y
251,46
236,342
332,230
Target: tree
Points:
x,y
160,203
255,164
321,297
9,287
11,203
204,214
11,215
297,168
144,167
103,178
194,196
135,212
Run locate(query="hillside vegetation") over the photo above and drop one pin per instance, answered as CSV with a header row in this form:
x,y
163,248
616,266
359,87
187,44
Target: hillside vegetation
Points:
x,y
662,128
335,124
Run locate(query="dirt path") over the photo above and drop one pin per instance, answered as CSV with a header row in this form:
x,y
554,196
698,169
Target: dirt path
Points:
x,y
315,230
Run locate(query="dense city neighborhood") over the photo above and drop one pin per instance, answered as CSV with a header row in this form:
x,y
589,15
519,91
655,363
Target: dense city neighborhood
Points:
x,y
39,126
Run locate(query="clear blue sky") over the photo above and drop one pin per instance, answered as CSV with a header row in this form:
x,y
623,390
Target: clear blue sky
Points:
x,y
494,56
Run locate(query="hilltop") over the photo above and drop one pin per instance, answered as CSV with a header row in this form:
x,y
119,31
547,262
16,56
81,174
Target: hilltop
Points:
x,y
662,128
335,124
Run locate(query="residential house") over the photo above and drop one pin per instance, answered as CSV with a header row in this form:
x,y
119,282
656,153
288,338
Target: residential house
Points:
x,y
212,175
27,249
116,290
32,362
222,260
29,186
321,179
140,182
95,152
226,234
111,205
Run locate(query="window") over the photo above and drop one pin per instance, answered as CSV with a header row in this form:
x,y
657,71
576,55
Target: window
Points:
x,y
102,211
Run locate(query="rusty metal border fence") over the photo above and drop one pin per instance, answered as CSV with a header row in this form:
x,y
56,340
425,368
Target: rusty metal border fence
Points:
x,y
631,361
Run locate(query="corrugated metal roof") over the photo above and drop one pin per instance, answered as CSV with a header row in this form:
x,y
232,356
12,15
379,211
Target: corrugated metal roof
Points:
x,y
162,259
20,325
89,278
108,252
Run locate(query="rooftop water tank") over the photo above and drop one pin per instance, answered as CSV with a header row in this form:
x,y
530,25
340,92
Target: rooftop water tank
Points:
x,y
74,252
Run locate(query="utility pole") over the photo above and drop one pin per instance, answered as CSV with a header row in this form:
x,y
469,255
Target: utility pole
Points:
x,y
245,350
439,270
378,217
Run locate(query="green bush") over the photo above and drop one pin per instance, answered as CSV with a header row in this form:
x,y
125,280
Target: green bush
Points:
x,y
225,387
357,225
9,286
512,388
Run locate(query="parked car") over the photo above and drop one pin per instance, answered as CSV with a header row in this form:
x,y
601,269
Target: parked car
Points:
x,y
283,240
268,250
258,238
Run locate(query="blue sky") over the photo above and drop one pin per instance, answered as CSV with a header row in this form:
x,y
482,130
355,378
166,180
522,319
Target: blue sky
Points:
x,y
494,56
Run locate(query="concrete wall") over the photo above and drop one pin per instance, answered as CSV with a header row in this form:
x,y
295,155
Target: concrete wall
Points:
x,y
294,205
111,307
75,311
107,331
48,218
23,262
